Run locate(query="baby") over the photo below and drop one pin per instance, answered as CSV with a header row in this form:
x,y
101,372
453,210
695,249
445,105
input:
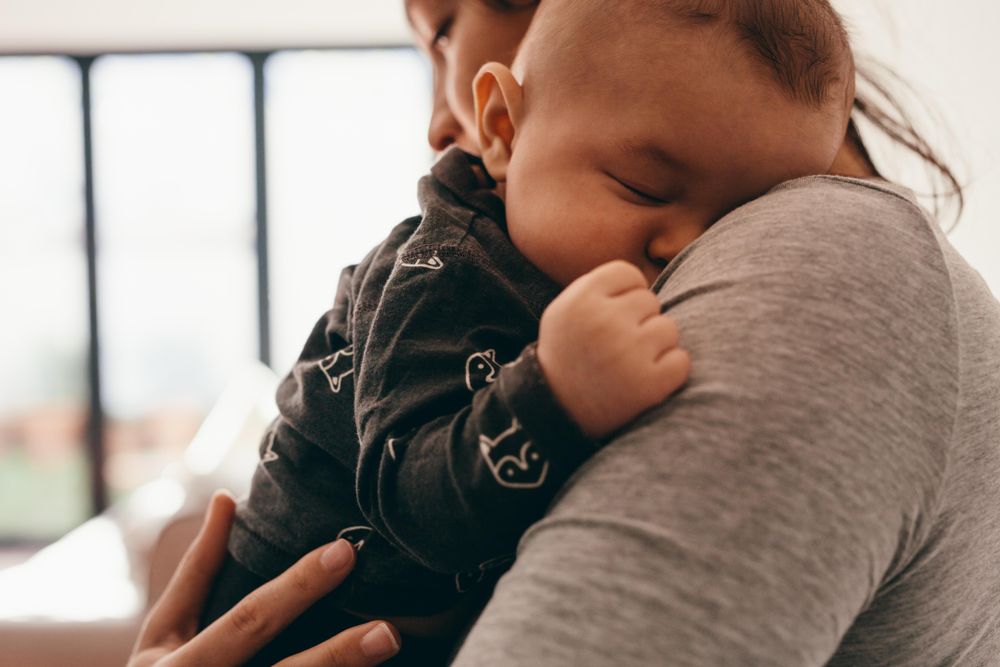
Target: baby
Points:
x,y
422,420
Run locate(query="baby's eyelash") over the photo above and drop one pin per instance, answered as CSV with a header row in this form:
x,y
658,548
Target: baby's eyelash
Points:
x,y
640,193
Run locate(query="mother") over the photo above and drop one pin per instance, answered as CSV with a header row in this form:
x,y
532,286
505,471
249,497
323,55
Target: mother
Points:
x,y
825,490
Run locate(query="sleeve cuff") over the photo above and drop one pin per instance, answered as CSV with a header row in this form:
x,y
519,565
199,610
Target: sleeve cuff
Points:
x,y
530,399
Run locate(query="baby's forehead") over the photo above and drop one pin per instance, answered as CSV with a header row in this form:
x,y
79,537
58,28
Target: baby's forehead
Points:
x,y
570,52
572,39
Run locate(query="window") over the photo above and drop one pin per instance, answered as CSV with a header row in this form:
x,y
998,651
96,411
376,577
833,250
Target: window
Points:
x,y
174,194
183,291
346,147
43,273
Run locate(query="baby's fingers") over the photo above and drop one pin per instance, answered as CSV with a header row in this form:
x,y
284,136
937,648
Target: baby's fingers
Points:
x,y
614,278
259,617
662,335
672,370
638,306
361,646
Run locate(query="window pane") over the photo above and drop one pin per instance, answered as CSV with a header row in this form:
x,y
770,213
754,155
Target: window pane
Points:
x,y
43,343
174,172
346,135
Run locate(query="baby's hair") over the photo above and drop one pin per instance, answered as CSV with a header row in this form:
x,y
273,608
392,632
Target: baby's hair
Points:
x,y
803,43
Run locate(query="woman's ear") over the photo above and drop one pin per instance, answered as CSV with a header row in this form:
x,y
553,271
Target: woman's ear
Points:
x,y
499,106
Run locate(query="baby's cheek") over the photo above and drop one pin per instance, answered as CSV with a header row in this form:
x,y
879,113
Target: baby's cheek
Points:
x,y
543,218
535,240
524,234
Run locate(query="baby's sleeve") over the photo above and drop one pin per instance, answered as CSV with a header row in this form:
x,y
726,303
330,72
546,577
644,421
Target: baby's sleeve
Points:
x,y
463,445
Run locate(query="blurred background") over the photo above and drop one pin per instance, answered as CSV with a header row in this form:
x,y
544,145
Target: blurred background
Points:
x,y
181,183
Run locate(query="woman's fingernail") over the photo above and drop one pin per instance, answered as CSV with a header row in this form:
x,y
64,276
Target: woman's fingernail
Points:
x,y
379,642
337,555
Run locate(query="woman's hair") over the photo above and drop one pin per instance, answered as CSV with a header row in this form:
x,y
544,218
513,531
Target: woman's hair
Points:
x,y
511,5
880,108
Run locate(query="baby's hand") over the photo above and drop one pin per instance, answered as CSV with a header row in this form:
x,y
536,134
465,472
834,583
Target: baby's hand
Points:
x,y
607,352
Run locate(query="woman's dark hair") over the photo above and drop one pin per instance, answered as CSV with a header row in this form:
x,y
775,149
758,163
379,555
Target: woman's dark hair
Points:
x,y
878,103
511,5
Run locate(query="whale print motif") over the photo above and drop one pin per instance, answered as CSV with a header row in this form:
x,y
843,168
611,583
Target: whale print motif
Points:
x,y
356,535
481,369
433,262
513,460
269,453
464,581
337,367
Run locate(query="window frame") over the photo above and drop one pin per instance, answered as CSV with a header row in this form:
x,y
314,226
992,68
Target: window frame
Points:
x,y
95,432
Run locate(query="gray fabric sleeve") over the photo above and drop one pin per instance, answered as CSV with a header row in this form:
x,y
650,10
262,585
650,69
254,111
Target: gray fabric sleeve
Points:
x,y
752,517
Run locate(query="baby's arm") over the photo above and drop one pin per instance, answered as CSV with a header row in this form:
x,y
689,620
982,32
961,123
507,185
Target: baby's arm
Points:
x,y
452,472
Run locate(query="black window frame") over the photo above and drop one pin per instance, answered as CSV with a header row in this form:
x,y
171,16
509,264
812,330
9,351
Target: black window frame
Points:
x,y
94,435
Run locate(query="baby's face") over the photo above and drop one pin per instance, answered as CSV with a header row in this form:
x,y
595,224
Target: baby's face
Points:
x,y
629,144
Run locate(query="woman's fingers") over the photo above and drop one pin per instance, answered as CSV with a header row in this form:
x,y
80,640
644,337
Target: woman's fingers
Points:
x,y
176,613
255,620
361,646
239,634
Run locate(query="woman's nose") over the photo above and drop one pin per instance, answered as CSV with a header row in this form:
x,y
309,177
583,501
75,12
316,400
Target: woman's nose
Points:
x,y
444,129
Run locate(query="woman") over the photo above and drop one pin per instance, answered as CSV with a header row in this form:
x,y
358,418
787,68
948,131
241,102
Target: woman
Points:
x,y
825,491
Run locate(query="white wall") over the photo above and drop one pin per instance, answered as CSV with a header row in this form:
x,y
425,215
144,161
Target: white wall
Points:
x,y
107,25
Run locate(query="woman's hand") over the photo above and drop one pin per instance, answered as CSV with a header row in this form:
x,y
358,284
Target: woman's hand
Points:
x,y
168,637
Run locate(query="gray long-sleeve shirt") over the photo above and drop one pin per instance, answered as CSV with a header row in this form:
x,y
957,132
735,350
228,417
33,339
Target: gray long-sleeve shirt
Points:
x,y
824,490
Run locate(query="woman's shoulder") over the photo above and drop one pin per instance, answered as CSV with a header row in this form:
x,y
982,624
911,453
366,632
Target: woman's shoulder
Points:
x,y
839,276
868,189
818,230
859,212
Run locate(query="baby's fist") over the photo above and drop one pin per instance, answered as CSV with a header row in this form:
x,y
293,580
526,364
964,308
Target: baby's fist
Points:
x,y
607,352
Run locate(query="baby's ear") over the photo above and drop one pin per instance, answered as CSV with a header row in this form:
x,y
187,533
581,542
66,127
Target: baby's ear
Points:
x,y
498,112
